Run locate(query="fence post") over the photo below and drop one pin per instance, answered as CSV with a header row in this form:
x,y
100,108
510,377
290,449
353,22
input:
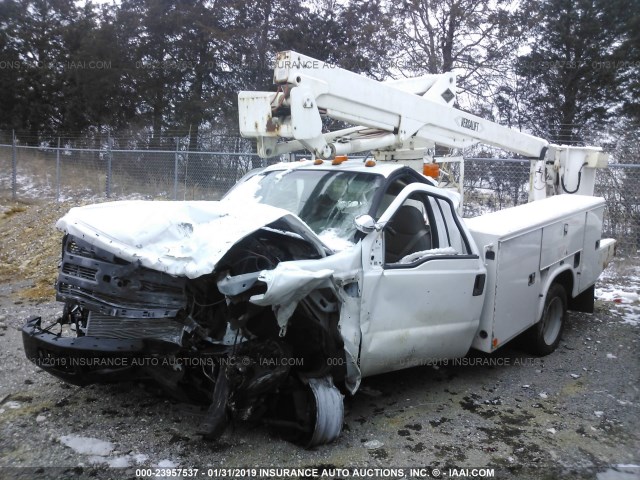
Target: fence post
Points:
x,y
14,168
108,179
175,171
58,172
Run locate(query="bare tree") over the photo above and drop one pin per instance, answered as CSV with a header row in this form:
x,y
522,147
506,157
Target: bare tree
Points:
x,y
478,38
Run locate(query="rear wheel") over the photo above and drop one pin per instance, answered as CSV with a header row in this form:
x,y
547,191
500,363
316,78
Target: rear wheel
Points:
x,y
544,337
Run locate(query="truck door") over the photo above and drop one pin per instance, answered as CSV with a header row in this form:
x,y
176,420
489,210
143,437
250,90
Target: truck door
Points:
x,y
422,285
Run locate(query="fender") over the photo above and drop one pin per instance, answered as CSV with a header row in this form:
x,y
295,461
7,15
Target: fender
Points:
x,y
551,277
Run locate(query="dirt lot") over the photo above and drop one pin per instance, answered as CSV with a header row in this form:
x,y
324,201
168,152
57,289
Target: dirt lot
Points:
x,y
573,414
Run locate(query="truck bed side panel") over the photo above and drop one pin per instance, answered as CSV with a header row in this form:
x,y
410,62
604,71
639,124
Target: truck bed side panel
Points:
x,y
529,245
591,261
512,292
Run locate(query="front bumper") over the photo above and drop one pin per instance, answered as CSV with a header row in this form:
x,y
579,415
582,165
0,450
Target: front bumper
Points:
x,y
86,360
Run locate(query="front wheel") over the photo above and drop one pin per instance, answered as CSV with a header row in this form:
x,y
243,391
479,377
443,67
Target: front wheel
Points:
x,y
544,337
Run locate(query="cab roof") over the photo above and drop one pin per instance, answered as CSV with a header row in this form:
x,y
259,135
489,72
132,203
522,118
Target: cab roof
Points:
x,y
385,169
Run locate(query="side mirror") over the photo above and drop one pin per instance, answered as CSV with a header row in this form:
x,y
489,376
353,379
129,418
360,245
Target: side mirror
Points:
x,y
366,224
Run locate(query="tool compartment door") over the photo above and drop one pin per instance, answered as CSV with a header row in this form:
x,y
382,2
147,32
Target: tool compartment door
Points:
x,y
591,268
561,239
517,287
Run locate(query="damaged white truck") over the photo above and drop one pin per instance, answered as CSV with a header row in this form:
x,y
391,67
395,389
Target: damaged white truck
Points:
x,y
307,276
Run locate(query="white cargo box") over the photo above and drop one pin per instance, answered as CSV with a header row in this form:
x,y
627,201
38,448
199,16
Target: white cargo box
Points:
x,y
521,247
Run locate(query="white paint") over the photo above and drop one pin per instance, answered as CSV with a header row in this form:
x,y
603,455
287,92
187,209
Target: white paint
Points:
x,y
287,284
531,215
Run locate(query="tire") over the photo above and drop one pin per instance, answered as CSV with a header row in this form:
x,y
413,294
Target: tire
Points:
x,y
544,337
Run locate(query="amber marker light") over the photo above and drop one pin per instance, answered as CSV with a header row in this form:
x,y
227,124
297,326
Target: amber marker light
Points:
x,y
339,159
370,163
431,170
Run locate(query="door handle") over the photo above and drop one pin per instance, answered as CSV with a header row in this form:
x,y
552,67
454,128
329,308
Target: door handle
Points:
x,y
478,285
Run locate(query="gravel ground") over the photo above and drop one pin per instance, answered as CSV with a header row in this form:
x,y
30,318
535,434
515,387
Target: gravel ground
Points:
x,y
573,414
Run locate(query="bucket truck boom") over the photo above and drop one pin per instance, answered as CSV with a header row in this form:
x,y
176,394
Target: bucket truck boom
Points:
x,y
395,120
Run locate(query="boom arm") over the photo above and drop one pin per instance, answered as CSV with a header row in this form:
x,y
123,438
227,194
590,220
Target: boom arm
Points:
x,y
396,120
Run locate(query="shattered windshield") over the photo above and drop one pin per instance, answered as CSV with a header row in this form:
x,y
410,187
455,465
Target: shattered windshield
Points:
x,y
328,201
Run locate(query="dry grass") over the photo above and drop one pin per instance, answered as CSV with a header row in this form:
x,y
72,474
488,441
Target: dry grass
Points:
x,y
30,247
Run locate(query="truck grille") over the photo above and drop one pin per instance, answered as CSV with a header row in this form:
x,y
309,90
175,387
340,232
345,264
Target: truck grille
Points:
x,y
105,326
79,271
101,282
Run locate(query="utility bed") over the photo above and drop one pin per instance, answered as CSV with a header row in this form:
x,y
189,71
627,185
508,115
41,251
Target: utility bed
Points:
x,y
523,248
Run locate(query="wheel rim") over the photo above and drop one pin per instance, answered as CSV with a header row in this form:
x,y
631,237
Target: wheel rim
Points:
x,y
552,321
329,411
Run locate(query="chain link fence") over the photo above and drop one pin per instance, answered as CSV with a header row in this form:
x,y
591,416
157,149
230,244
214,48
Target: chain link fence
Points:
x,y
85,174
64,174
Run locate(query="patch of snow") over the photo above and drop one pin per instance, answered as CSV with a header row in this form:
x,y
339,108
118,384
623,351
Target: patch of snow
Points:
x,y
297,236
13,404
611,355
574,375
87,445
551,430
543,395
41,418
122,461
598,413
119,462
413,257
372,444
167,464
623,299
331,238
140,458
617,295
291,167
155,233
113,462
248,189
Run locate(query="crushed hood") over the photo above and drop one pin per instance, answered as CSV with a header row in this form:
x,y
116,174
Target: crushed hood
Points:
x,y
178,238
